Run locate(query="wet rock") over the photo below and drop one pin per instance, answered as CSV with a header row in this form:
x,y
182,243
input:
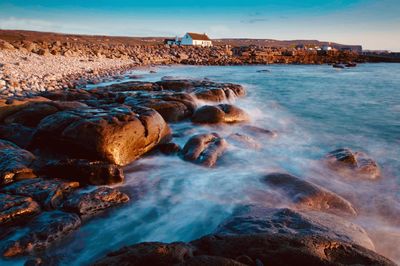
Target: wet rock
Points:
x,y
204,149
14,163
223,113
258,131
352,164
67,95
307,195
169,148
113,133
151,253
48,192
16,209
177,85
84,171
89,203
43,231
278,249
256,220
31,115
211,260
243,141
17,133
8,107
128,86
172,107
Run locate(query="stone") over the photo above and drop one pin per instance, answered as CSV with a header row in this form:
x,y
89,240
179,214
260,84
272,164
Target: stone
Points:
x,y
210,260
31,115
4,45
83,171
8,107
223,113
151,253
89,203
352,164
43,231
116,134
243,141
14,163
278,249
16,209
258,219
204,149
50,193
169,148
306,195
17,133
258,131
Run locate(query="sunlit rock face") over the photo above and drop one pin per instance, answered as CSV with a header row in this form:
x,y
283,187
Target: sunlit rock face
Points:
x,y
352,164
15,163
307,195
115,134
204,149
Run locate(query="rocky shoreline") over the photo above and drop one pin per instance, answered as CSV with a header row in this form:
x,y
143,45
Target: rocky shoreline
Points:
x,y
61,150
30,67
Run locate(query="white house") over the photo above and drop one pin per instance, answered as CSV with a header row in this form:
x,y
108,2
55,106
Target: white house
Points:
x,y
326,47
197,39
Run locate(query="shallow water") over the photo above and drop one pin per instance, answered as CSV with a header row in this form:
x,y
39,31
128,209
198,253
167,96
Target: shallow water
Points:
x,y
314,110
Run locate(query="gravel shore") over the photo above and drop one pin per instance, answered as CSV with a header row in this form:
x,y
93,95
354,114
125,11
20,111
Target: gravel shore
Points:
x,y
23,73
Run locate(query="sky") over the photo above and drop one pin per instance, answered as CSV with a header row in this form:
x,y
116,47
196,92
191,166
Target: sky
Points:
x,y
375,24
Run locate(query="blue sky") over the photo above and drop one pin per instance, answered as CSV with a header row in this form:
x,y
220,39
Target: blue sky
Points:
x,y
374,24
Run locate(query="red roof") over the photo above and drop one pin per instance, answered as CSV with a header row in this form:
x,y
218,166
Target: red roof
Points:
x,y
197,36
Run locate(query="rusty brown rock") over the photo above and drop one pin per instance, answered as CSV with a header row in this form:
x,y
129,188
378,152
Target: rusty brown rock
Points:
x,y
115,133
16,209
222,113
204,149
307,195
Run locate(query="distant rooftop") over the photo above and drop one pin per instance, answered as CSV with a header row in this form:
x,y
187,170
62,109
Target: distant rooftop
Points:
x,y
198,36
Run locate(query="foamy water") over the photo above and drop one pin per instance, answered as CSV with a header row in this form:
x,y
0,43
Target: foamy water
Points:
x,y
314,110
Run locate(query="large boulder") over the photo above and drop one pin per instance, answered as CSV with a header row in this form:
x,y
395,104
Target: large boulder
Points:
x,y
172,107
31,115
17,133
48,192
16,209
89,203
113,133
83,171
257,219
352,164
306,195
152,253
14,163
287,250
204,149
41,233
222,113
10,106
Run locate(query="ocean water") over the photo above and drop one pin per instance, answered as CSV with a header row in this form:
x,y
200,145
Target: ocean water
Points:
x,y
313,109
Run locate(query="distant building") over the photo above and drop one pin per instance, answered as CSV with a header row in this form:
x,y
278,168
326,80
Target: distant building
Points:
x,y
326,48
196,39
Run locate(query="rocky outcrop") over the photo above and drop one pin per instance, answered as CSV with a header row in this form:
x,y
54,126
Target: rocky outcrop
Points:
x,y
84,171
115,133
16,209
42,232
152,253
14,163
17,133
89,203
223,113
261,220
306,195
204,149
352,164
266,249
169,148
50,193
